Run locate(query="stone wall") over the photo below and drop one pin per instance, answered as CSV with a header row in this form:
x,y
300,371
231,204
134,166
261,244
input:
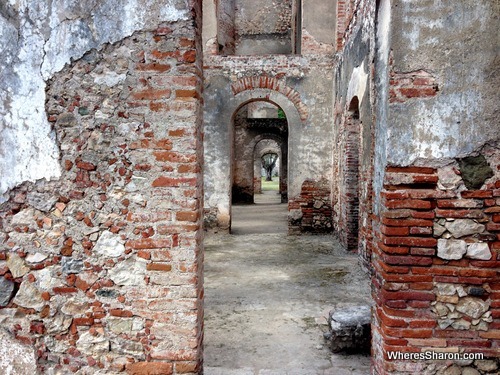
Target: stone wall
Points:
x,y
435,254
101,270
354,129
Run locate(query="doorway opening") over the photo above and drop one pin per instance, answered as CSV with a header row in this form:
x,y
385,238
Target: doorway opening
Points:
x,y
260,166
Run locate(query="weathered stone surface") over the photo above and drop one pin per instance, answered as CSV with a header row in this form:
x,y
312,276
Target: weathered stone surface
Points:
x,y
448,178
128,347
92,345
129,272
17,266
71,265
36,258
461,324
438,229
60,323
464,227
479,251
56,346
42,201
349,329
453,370
109,245
451,249
475,171
473,307
24,217
29,296
73,307
15,358
6,289
45,280
487,365
470,371
446,289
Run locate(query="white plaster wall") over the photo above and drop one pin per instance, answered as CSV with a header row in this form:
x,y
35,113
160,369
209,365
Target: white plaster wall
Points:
x,y
37,39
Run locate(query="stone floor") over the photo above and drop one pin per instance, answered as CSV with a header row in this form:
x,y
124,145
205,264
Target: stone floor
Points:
x,y
267,297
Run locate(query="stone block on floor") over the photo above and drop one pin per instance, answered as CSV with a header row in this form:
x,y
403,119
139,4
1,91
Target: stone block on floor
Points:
x,y
349,329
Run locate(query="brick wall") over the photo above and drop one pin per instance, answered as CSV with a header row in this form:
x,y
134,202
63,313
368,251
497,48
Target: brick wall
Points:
x,y
101,270
436,267
311,212
347,218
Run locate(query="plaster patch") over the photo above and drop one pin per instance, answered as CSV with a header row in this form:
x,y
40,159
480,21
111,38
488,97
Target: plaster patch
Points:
x,y
358,82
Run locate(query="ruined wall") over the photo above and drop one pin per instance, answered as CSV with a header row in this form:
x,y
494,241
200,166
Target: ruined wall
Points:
x,y
263,27
354,135
300,86
36,39
436,255
101,269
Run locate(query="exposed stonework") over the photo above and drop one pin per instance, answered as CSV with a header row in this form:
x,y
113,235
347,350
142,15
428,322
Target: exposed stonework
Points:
x,y
106,262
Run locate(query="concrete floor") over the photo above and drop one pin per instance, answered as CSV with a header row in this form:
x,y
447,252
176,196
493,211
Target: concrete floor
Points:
x,y
267,297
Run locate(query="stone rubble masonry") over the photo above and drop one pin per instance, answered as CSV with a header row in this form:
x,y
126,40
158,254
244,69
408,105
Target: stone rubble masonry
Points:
x,y
436,265
311,212
106,275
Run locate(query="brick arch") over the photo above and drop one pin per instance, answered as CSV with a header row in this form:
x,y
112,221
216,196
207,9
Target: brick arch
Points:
x,y
273,84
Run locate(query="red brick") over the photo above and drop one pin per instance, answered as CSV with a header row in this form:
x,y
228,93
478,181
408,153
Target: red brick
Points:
x,y
411,241
422,251
189,56
173,182
83,321
187,94
408,295
177,133
121,313
174,157
470,214
423,170
407,223
150,368
393,249
459,203
151,94
149,243
476,194
159,267
422,323
408,203
407,260
154,67
421,230
394,231
409,333
187,216
390,321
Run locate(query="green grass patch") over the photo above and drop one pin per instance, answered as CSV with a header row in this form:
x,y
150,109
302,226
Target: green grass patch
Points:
x,y
271,185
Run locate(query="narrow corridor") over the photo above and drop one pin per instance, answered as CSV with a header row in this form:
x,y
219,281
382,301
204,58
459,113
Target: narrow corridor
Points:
x,y
267,297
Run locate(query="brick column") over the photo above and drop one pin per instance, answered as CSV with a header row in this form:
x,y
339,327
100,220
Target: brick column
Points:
x,y
436,265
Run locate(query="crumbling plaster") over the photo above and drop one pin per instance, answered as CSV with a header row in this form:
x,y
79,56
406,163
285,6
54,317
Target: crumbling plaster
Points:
x,y
37,39
457,42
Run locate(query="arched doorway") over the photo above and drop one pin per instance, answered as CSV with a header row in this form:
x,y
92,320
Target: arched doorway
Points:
x,y
259,127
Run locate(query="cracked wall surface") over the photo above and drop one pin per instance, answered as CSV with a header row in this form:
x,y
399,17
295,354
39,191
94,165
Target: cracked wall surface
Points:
x,y
38,37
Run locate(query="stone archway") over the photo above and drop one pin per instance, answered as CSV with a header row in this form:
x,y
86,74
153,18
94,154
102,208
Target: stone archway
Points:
x,y
218,161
